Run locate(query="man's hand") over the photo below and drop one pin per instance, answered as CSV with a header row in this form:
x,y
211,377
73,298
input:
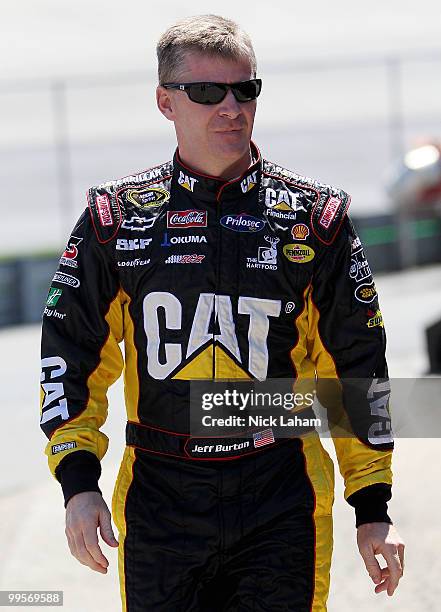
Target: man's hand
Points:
x,y
84,513
382,539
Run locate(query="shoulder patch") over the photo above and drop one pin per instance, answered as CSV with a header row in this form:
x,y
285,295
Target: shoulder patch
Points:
x,y
327,204
328,214
107,206
105,212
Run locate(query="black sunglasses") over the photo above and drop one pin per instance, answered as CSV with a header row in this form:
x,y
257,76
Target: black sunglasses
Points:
x,y
213,93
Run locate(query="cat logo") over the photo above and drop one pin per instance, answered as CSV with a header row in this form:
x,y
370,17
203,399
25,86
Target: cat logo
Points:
x,y
54,402
188,182
163,311
249,182
282,199
146,198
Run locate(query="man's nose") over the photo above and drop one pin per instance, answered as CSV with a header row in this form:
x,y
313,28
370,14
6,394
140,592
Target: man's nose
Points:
x,y
229,106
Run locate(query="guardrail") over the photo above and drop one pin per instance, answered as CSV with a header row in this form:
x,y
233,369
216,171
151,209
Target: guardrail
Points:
x,y
24,282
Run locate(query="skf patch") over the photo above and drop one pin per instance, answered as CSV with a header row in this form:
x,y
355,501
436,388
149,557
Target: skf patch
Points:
x,y
104,212
300,231
64,446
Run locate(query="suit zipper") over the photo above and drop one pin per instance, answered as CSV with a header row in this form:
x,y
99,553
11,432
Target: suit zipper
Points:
x,y
217,284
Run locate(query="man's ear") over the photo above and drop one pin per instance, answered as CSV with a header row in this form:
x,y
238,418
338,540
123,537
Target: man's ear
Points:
x,y
164,101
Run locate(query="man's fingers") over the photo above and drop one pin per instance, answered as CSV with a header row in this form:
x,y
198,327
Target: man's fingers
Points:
x,y
383,584
92,546
84,513
84,556
382,539
71,544
371,563
401,555
106,530
394,565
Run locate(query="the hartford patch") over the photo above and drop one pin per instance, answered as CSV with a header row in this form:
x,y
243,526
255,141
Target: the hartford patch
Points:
x,y
63,446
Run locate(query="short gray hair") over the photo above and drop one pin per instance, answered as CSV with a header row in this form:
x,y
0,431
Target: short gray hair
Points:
x,y
208,34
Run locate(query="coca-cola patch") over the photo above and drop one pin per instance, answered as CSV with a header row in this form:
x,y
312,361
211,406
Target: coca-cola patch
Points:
x,y
186,218
104,212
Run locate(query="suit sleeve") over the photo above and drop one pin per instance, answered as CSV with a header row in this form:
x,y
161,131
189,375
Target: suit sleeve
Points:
x,y
347,344
81,330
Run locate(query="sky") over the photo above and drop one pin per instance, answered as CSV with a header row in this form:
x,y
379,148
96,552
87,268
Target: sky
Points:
x,y
333,123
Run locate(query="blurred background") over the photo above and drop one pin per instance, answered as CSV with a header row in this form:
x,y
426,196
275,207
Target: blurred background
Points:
x,y
351,96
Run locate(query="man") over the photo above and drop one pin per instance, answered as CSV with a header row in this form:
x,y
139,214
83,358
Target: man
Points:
x,y
217,264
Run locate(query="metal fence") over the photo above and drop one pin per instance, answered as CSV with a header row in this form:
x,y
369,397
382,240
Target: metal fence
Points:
x,y
344,122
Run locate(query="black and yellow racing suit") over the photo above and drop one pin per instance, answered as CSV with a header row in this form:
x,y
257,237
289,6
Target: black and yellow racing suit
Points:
x,y
262,277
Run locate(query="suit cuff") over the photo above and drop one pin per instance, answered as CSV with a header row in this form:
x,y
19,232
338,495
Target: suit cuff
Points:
x,y
370,504
78,472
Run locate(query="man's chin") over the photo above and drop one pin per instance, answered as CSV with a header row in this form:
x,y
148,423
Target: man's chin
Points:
x,y
231,144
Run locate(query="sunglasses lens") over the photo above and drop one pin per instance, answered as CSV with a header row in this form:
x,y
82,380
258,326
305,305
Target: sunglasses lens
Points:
x,y
206,93
213,93
248,90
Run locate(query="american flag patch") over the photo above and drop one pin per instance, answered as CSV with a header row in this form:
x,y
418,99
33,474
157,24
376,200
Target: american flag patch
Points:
x,y
263,437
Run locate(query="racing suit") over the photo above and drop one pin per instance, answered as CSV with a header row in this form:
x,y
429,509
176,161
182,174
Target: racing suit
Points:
x,y
261,277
